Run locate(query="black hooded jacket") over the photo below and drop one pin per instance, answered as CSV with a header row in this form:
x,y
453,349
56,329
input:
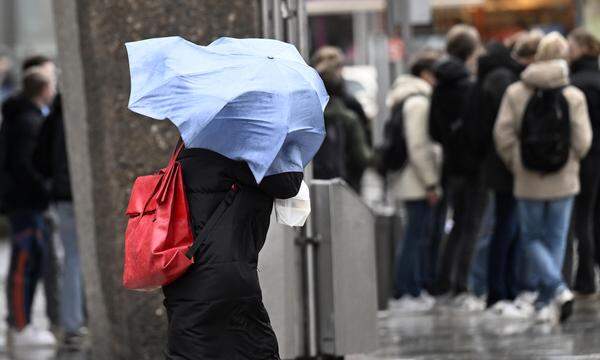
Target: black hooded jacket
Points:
x,y
215,309
585,75
51,154
497,70
449,102
26,189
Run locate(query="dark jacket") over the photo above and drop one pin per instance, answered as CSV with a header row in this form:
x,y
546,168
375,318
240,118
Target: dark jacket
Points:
x,y
51,154
354,105
585,75
496,71
22,122
345,155
446,117
215,310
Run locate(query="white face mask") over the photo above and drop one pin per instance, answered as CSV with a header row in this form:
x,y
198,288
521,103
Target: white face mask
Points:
x,y
294,211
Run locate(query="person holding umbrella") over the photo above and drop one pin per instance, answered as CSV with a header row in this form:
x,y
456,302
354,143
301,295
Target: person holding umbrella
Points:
x,y
250,113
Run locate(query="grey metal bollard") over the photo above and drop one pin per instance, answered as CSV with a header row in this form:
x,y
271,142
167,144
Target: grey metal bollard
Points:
x,y
346,270
385,247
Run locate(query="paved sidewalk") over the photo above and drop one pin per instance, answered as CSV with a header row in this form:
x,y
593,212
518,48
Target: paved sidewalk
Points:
x,y
443,334
446,334
39,320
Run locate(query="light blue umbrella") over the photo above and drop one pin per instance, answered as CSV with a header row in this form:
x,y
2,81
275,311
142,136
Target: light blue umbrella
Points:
x,y
254,100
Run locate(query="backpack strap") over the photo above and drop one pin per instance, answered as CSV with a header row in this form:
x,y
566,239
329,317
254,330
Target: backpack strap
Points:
x,y
213,220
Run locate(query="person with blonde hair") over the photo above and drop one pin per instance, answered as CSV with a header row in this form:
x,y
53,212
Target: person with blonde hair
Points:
x,y
585,74
542,132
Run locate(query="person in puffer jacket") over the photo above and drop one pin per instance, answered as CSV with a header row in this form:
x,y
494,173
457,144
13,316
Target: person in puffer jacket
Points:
x,y
545,200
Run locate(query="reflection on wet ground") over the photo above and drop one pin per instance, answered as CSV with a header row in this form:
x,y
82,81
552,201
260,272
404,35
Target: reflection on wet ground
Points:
x,y
443,334
446,334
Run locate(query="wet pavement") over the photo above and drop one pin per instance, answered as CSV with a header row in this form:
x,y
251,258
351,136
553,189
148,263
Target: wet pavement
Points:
x,y
447,334
442,334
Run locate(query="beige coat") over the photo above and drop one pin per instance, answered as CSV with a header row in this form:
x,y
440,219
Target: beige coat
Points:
x,y
424,156
529,184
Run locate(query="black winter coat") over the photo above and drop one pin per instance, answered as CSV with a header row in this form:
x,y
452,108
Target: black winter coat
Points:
x,y
22,122
449,102
585,75
51,154
215,310
497,70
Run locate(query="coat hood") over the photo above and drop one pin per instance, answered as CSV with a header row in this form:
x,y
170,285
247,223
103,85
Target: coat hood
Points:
x,y
450,70
405,86
497,56
547,74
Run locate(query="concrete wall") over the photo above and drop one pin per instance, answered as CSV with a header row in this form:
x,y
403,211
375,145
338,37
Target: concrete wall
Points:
x,y
109,146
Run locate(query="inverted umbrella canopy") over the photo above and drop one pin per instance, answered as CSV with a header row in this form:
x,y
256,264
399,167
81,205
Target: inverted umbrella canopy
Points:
x,y
254,100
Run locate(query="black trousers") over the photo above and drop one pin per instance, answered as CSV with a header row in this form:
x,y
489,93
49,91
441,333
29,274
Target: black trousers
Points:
x,y
468,199
585,219
503,246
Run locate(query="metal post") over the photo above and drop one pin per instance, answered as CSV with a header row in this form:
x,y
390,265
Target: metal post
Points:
x,y
407,31
303,39
267,22
278,27
290,15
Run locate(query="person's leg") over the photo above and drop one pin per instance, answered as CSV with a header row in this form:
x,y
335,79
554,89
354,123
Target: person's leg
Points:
x,y
501,248
478,281
532,218
583,229
24,270
449,253
408,278
438,234
72,293
558,219
474,199
50,255
510,231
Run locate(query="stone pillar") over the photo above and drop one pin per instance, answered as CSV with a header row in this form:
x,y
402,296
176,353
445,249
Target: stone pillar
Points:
x,y
109,145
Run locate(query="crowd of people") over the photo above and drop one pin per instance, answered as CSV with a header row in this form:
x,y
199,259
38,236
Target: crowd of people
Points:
x,y
490,150
36,197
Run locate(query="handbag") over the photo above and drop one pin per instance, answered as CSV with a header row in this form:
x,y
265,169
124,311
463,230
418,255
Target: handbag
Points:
x,y
159,241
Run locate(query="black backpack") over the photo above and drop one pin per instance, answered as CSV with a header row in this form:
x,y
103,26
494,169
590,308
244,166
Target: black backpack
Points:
x,y
546,131
330,160
394,151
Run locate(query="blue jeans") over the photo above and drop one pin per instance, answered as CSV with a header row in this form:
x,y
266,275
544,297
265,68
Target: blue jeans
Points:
x,y
544,229
72,303
409,277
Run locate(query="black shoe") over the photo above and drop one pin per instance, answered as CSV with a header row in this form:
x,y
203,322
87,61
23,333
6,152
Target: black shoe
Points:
x,y
565,300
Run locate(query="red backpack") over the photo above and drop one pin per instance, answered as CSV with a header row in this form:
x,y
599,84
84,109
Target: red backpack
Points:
x,y
159,241
158,231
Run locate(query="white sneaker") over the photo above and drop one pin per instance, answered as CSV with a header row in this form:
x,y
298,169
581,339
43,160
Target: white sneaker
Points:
x,y
426,298
468,302
526,297
564,301
410,304
548,314
30,337
509,310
